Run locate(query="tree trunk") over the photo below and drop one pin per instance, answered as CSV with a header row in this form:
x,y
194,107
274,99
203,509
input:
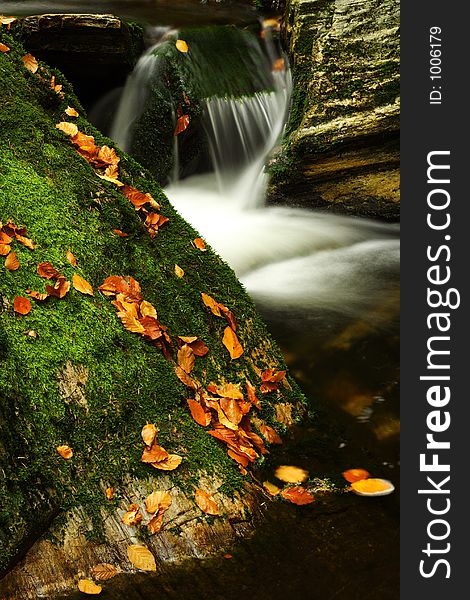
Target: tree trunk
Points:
x,y
71,374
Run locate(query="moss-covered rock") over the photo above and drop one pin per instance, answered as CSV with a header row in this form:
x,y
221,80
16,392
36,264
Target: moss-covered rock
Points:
x,y
71,374
341,149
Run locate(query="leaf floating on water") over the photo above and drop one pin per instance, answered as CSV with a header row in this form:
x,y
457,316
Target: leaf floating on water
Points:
x,y
65,451
372,487
21,305
352,475
82,285
200,244
206,503
149,433
69,129
104,571
71,258
11,262
291,474
71,112
230,341
30,62
272,489
182,46
298,495
4,48
87,586
179,271
141,558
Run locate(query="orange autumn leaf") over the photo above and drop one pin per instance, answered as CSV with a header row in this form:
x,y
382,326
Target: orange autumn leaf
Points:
x,y
21,305
133,516
87,586
71,112
7,20
65,451
120,233
37,295
212,304
26,242
279,65
179,271
185,378
71,258
291,474
109,493
104,571
229,390
60,289
269,433
147,309
149,433
154,454
272,376
158,501
298,495
11,262
232,410
30,62
69,129
181,124
272,489
182,46
198,413
138,198
251,392
112,171
47,271
169,464
186,358
141,557
107,156
82,285
4,48
372,487
131,323
200,244
206,503
5,249
352,475
155,524
230,341
4,238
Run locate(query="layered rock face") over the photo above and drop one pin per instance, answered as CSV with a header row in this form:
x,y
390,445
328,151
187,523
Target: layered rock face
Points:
x,y
342,145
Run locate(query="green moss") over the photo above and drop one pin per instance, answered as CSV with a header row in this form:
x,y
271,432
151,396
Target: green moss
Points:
x,y
46,186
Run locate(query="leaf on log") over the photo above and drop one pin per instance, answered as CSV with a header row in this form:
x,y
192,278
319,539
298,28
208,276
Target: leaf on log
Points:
x,y
154,454
181,124
291,474
71,258
179,271
26,242
82,285
109,493
30,62
269,433
120,233
147,309
158,501
47,271
200,244
21,305
251,393
272,489
182,46
198,413
169,464
155,524
232,410
65,451
149,433
104,571
186,358
230,341
212,304
141,557
71,112
69,129
5,249
185,378
298,495
60,289
206,503
4,48
11,262
87,586
133,516
230,390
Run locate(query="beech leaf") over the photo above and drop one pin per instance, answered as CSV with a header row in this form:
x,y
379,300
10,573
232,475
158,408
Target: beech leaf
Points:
x,y
297,495
30,62
11,262
230,341
65,451
353,475
206,503
182,46
104,571
169,464
291,474
158,501
21,305
82,285
87,586
141,557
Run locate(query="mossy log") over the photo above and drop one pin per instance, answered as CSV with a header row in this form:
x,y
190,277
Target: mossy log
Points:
x,y
71,374
341,150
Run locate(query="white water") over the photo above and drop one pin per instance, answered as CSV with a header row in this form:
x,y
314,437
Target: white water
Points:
x,y
292,261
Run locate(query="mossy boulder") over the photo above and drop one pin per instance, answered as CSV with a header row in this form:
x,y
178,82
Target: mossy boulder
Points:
x,y
71,374
341,150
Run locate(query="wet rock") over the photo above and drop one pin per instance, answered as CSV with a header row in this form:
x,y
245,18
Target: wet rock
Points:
x,y
342,147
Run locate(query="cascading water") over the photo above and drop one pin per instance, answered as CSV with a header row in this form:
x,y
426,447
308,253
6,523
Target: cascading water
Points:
x,y
292,261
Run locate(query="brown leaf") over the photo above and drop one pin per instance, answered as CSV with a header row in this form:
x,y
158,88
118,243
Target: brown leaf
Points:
x,y
251,392
231,410
149,433
182,46
198,413
60,289
26,242
181,124
186,358
47,271
147,309
229,390
232,344
298,495
71,258
37,295
239,458
212,304
11,262
69,129
228,316
156,523
269,433
170,464
87,586
82,285
284,413
272,376
291,474
65,451
200,244
4,48
158,501
199,348
141,557
154,454
133,516
71,112
21,305
206,503
179,271
30,62
272,489
104,571
185,378
138,198
120,233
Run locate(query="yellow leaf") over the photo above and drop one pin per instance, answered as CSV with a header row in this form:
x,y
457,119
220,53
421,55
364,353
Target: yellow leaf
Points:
x,y
169,464
147,309
71,112
69,129
11,262
200,244
206,503
179,271
157,501
82,285
149,433
71,258
372,487
156,523
109,493
212,304
111,180
141,557
87,586
186,358
30,62
291,474
272,489
182,46
104,571
231,342
65,451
